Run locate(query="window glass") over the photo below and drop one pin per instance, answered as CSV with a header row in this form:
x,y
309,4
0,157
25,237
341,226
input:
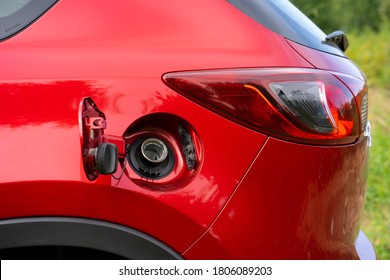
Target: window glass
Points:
x,y
282,17
15,15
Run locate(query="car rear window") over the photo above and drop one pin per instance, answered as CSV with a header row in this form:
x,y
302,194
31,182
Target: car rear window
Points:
x,y
282,17
17,14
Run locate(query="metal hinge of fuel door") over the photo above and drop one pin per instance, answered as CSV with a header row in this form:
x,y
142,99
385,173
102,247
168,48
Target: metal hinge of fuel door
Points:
x,y
99,152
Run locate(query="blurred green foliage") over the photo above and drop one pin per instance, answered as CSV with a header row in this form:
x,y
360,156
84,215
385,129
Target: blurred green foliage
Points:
x,y
346,15
376,219
367,24
371,51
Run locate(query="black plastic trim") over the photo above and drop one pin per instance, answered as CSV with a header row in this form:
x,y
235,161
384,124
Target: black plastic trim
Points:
x,y
85,233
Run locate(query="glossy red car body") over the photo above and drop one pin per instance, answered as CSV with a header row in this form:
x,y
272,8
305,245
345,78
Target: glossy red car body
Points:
x,y
251,196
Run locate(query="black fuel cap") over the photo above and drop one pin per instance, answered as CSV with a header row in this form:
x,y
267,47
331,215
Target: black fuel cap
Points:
x,y
106,158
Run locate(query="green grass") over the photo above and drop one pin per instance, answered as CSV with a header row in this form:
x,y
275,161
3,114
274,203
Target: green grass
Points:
x,y
376,219
371,51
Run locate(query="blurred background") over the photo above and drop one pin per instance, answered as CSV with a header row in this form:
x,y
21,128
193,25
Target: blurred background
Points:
x,y
367,25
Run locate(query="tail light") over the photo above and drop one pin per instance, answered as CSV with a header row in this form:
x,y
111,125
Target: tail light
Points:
x,y
301,105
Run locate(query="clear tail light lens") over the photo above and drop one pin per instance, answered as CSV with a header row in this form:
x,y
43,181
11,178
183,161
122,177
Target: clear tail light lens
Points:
x,y
307,102
300,105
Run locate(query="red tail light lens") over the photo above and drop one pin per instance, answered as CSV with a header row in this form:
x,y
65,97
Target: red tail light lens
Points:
x,y
301,105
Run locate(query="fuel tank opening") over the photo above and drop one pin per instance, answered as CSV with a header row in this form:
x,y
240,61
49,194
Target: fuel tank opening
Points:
x,y
163,152
151,158
154,150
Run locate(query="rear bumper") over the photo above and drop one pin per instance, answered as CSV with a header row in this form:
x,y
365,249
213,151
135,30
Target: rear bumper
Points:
x,y
364,247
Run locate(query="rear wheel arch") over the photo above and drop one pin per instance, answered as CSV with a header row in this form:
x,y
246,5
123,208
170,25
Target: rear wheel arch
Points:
x,y
82,233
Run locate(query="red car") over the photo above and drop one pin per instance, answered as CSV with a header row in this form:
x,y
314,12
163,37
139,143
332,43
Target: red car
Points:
x,y
179,129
